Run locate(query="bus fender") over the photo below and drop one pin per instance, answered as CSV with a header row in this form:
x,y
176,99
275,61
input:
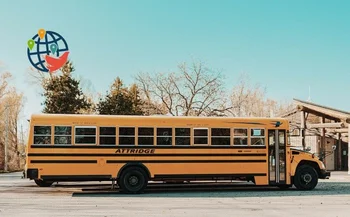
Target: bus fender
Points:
x,y
310,163
134,164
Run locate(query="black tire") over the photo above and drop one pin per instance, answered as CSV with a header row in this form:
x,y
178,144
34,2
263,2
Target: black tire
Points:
x,y
133,180
42,183
305,178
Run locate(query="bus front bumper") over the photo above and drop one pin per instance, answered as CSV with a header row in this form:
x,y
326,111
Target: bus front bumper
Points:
x,y
324,174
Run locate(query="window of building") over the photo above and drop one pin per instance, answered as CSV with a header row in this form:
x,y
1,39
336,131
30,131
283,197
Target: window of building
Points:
x,y
182,136
42,134
240,136
257,137
145,135
85,135
200,136
126,136
220,136
164,136
107,135
296,132
63,135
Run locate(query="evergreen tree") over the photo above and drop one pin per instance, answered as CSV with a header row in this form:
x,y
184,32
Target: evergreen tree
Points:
x,y
137,103
63,94
120,100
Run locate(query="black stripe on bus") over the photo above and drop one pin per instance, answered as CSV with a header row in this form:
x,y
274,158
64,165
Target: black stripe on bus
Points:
x,y
185,161
146,147
77,177
63,161
196,176
145,155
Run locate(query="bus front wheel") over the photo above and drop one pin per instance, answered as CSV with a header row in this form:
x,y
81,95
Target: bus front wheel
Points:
x,y
133,180
42,183
306,178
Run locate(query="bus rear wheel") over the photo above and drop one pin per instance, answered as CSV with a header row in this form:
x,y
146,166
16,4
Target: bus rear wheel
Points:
x,y
133,180
306,178
42,183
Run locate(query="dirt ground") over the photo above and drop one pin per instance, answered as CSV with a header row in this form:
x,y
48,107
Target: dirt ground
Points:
x,y
21,197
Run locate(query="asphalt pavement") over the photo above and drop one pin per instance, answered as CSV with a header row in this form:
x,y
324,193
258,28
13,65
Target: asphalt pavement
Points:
x,y
21,197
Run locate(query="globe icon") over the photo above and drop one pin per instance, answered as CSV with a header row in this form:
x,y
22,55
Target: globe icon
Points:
x,y
42,46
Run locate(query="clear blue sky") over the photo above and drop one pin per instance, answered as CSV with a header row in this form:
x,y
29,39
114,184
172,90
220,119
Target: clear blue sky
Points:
x,y
284,45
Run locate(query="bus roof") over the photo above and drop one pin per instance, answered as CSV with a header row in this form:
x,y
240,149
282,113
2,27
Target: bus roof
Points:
x,y
39,117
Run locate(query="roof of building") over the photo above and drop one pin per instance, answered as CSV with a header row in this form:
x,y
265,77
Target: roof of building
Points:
x,y
319,110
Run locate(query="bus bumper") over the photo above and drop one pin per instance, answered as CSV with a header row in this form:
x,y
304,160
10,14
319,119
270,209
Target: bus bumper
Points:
x,y
324,174
31,174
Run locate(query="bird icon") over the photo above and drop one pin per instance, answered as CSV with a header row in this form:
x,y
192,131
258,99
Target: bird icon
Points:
x,y
54,64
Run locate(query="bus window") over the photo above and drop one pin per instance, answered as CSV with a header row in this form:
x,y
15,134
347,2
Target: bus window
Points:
x,y
200,136
182,136
164,136
220,136
240,136
126,136
257,137
107,135
145,135
85,135
42,134
63,135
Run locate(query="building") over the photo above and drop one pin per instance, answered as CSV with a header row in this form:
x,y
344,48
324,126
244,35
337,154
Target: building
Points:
x,y
322,130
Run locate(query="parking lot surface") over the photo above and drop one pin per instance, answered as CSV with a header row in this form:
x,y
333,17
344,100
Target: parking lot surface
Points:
x,y
21,197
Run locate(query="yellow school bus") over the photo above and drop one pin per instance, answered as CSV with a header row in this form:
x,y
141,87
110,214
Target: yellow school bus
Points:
x,y
136,149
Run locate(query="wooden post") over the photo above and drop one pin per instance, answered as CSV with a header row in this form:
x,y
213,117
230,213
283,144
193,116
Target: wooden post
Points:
x,y
339,152
323,140
302,129
348,149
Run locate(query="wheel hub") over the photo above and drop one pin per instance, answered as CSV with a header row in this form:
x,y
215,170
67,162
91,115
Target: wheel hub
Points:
x,y
307,178
133,180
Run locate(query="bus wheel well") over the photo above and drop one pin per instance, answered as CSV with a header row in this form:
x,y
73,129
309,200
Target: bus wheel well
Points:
x,y
311,163
134,164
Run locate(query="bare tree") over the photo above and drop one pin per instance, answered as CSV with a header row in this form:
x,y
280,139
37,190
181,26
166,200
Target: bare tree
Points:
x,y
11,103
4,81
15,101
36,77
90,93
251,101
192,91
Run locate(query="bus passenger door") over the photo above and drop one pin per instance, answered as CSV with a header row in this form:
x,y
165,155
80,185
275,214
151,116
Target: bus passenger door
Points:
x,y
277,157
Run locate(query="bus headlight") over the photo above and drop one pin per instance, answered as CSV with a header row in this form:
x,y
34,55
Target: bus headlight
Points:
x,y
322,166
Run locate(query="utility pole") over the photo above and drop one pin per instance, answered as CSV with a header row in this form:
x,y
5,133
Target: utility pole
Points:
x,y
6,134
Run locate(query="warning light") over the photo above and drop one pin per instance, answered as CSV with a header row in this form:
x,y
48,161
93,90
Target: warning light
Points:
x,y
278,124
